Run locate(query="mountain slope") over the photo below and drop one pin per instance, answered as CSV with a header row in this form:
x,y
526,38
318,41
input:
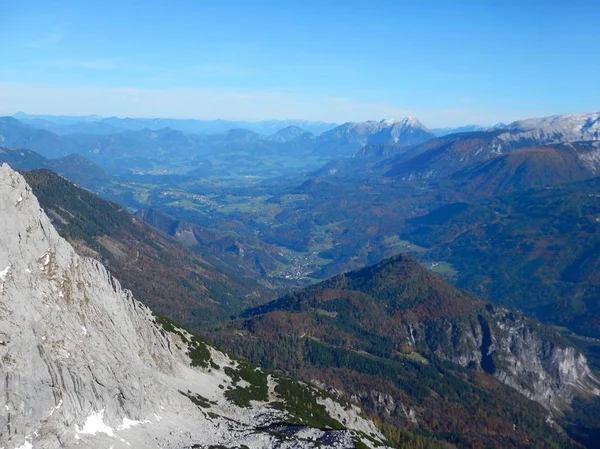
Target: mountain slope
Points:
x,y
385,334
160,272
13,133
22,158
379,150
443,156
74,167
86,365
247,256
440,132
528,168
536,250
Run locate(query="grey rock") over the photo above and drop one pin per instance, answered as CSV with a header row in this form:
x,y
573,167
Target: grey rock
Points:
x,y
508,346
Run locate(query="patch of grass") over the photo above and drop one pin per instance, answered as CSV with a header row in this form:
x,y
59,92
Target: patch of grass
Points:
x,y
198,350
199,353
300,401
257,390
403,245
358,444
415,356
443,268
170,326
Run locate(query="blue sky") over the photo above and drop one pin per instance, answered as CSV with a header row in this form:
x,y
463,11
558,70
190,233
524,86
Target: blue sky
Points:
x,y
444,62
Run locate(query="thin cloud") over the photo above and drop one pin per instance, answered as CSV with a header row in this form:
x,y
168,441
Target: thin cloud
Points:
x,y
225,104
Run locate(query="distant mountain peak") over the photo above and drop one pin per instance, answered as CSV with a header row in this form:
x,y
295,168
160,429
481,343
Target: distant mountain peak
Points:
x,y
572,127
289,133
498,125
403,121
406,131
571,122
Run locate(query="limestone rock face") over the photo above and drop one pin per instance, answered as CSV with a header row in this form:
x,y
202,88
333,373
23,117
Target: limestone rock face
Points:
x,y
509,346
546,372
83,363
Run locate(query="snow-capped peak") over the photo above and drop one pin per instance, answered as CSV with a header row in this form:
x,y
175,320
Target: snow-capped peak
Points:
x,y
406,121
562,121
557,128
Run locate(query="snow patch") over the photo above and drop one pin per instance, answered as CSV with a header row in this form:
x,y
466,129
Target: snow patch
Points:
x,y
128,423
55,408
95,424
26,445
3,275
591,159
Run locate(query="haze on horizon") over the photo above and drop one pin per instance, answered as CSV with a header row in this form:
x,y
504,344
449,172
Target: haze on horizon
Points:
x,y
445,63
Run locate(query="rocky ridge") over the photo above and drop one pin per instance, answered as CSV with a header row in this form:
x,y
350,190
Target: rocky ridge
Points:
x,y
407,131
555,129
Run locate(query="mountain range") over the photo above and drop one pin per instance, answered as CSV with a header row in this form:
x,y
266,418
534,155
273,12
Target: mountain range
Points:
x,y
413,151
443,156
507,213
95,124
153,148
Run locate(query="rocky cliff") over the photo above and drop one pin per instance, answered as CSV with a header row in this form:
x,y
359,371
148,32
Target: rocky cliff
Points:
x,y
513,349
83,363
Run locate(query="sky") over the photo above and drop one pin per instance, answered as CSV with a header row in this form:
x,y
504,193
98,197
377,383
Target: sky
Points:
x,y
447,63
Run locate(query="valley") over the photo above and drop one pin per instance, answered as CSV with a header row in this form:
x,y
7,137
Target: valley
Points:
x,y
307,224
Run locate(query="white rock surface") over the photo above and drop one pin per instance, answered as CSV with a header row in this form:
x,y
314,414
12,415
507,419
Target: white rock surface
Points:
x,y
405,131
555,129
83,364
